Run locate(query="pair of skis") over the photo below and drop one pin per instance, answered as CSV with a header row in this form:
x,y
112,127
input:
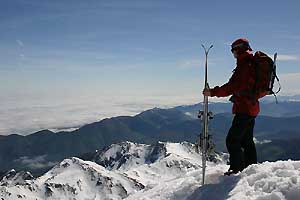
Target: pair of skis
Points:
x,y
204,116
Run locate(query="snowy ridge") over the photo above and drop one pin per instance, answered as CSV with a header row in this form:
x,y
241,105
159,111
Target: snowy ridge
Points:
x,y
74,178
159,171
127,155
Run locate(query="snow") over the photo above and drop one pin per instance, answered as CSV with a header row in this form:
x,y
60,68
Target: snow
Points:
x,y
174,174
267,181
279,180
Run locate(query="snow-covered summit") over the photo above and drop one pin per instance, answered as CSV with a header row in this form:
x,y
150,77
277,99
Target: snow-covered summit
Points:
x,y
159,171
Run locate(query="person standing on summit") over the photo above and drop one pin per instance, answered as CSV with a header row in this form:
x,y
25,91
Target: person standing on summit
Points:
x,y
239,141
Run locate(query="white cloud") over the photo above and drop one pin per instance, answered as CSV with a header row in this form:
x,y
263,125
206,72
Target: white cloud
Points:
x,y
20,43
285,57
290,83
192,63
37,162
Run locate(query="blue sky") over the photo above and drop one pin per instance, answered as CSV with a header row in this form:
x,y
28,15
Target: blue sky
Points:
x,y
56,52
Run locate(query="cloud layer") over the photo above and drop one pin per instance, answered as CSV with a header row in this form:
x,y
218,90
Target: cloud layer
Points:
x,y
21,116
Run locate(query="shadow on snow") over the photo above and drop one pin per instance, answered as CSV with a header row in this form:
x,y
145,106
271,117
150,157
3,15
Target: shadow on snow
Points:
x,y
216,191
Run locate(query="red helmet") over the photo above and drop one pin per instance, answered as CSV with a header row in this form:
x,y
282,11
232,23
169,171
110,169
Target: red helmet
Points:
x,y
241,43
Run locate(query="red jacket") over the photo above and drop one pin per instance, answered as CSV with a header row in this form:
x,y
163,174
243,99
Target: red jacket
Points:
x,y
239,85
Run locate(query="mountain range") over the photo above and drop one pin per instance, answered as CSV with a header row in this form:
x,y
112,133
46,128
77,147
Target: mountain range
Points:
x,y
277,137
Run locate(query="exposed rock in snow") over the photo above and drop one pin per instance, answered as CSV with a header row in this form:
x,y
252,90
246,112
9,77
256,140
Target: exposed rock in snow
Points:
x,y
12,178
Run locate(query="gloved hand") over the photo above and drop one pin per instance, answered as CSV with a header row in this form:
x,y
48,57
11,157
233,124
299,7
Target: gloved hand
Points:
x,y
206,92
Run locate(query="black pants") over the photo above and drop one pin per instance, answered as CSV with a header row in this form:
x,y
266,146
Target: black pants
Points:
x,y
240,144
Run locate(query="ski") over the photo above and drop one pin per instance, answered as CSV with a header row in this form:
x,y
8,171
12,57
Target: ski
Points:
x,y
204,116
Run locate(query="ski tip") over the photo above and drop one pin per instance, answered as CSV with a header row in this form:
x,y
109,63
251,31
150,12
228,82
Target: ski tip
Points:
x,y
206,49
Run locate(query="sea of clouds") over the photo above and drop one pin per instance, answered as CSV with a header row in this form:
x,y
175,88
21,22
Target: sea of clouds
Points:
x,y
25,115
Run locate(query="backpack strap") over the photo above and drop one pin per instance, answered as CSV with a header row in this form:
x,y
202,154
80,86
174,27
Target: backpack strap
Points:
x,y
277,79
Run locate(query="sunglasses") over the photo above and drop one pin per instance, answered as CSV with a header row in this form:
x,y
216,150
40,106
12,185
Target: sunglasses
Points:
x,y
233,50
